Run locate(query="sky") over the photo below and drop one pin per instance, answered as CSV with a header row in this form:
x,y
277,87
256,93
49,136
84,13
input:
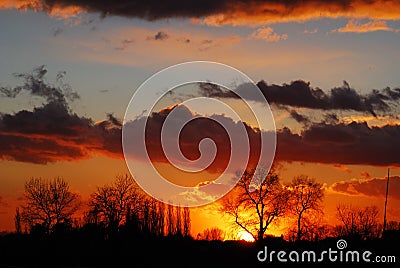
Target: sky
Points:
x,y
329,71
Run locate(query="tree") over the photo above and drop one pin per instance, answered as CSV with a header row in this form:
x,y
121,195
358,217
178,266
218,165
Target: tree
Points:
x,y
171,220
17,221
111,204
211,234
306,198
358,222
48,203
186,221
254,211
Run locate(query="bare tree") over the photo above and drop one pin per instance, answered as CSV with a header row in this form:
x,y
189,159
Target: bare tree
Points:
x,y
186,221
159,218
306,198
213,233
254,211
111,203
170,220
17,221
48,202
178,221
393,225
358,222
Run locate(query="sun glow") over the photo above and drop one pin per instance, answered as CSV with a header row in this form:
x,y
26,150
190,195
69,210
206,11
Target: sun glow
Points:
x,y
245,236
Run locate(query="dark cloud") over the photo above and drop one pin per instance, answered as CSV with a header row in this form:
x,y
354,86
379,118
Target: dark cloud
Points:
x,y
300,94
36,84
354,143
160,35
298,117
375,187
52,132
190,137
224,11
213,90
331,118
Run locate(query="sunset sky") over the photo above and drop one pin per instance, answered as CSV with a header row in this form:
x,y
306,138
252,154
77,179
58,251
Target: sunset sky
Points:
x,y
329,70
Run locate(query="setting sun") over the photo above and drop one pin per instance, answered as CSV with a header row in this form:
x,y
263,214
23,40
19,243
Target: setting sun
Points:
x,y
245,236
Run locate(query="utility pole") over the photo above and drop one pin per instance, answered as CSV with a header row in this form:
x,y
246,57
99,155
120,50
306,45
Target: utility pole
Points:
x,y
387,190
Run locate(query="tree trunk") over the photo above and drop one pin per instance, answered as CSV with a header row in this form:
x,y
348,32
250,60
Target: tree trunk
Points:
x,y
260,235
299,226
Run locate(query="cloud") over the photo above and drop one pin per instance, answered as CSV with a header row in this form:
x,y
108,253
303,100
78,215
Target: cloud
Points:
x,y
219,128
267,34
57,31
210,43
354,143
342,168
311,31
354,26
52,132
300,94
337,143
298,117
236,12
160,35
210,193
365,175
124,44
36,84
375,187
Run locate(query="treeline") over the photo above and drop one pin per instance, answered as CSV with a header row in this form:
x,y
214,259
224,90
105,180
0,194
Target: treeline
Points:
x,y
120,207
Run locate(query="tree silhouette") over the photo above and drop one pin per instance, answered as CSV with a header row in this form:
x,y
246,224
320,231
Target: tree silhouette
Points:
x,y
111,203
211,234
254,211
306,198
48,202
358,222
17,221
186,221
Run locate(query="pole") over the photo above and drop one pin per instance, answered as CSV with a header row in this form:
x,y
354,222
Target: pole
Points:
x,y
387,190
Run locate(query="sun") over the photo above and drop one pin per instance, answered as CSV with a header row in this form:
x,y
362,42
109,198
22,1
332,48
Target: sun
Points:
x,y
245,236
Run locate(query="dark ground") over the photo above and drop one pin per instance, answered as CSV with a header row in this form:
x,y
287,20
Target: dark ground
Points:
x,y
73,250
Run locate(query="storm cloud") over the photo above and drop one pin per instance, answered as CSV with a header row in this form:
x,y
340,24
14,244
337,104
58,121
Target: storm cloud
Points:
x,y
301,94
236,12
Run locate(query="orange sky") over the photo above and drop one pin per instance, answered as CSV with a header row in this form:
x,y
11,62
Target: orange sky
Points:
x,y
328,68
85,175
